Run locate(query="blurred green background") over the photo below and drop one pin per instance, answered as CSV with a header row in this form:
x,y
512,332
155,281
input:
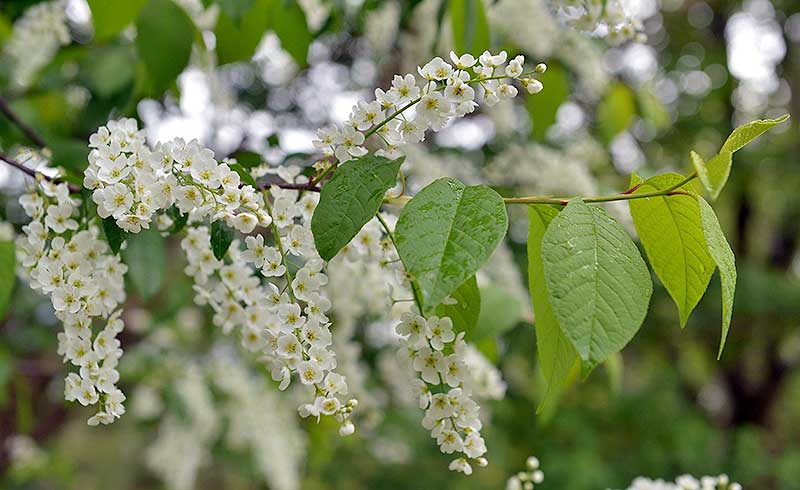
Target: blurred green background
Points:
x,y
253,79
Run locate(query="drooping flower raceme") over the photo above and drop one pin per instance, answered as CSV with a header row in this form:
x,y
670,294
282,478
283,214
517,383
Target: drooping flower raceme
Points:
x,y
131,181
437,354
37,35
442,92
686,482
430,349
284,317
533,476
62,256
528,479
603,18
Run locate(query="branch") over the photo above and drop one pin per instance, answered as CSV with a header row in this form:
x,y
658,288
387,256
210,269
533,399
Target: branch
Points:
x,y
271,180
27,130
19,166
33,173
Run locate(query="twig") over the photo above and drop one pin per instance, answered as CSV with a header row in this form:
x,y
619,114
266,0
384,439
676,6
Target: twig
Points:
x,y
275,180
27,130
33,173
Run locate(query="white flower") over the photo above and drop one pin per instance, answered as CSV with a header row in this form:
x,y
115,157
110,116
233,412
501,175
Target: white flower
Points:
x,y
415,326
515,67
406,88
289,346
458,91
335,384
440,331
474,445
256,250
245,222
462,62
487,59
310,372
436,69
59,218
429,364
350,145
326,138
461,465
87,395
365,115
449,441
273,263
290,315
434,109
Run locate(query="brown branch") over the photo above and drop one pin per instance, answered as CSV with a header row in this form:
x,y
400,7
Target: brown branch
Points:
x,y
18,166
26,130
271,180
33,173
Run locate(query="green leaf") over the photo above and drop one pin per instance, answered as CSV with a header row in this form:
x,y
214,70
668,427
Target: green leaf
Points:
x,y
164,39
446,233
238,42
7,274
244,175
178,220
109,17
350,199
470,27
672,235
542,110
616,111
289,24
235,9
146,259
558,359
248,159
500,311
652,109
115,236
110,69
464,312
714,174
746,133
221,238
72,154
723,256
597,282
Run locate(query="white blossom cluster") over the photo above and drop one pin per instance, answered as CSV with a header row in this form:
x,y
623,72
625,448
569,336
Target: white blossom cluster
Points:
x,y
528,479
443,92
224,403
131,181
603,18
182,445
433,350
445,373
283,318
36,37
278,448
62,256
686,482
